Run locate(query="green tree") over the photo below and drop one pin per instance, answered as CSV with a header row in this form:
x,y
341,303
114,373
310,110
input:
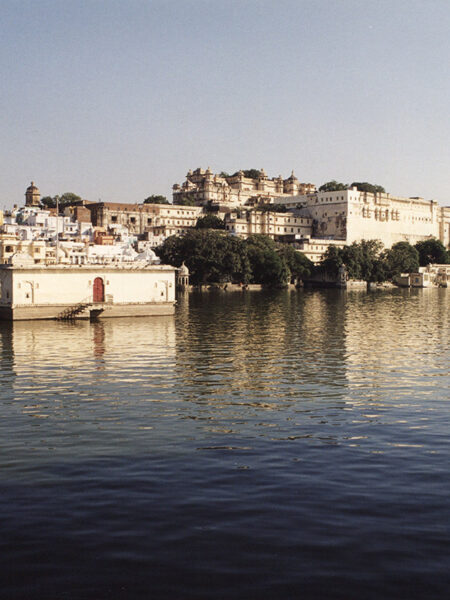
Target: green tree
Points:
x,y
371,264
299,265
332,260
67,199
333,186
267,266
186,201
250,173
271,208
432,251
362,260
401,258
210,222
156,200
48,202
211,256
364,186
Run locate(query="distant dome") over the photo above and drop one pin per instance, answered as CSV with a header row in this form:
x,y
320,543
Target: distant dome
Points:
x,y
32,188
32,195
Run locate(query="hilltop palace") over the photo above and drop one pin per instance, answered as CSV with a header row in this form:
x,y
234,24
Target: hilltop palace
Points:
x,y
87,243
314,220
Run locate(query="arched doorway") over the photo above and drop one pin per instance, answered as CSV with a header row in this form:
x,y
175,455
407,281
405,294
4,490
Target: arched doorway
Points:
x,y
99,290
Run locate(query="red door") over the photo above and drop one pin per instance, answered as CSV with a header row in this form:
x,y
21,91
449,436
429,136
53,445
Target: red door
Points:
x,y
99,290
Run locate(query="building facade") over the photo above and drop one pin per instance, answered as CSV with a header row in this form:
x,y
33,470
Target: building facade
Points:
x,y
203,188
30,291
282,227
315,248
10,244
155,221
351,216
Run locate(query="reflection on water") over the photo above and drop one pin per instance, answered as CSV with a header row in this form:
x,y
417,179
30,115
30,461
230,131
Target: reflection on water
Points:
x,y
274,445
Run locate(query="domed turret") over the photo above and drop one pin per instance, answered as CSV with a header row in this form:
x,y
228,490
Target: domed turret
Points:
x,y
32,195
183,269
183,277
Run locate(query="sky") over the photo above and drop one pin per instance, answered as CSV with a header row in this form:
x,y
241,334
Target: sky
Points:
x,y
117,100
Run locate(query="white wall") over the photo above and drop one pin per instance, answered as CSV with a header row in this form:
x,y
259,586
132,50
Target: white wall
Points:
x,y
69,286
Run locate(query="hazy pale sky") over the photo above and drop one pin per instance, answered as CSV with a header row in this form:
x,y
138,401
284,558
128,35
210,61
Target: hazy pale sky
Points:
x,y
116,100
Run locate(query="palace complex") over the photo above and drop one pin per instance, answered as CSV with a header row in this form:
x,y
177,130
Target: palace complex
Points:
x,y
284,209
351,215
203,188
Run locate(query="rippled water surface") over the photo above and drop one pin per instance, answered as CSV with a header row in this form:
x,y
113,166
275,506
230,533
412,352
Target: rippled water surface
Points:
x,y
286,445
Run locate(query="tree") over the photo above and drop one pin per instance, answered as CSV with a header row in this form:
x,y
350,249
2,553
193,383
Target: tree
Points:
x,y
48,202
250,173
333,186
362,260
432,251
401,258
267,266
211,256
156,200
67,199
371,265
364,186
210,222
271,208
332,260
299,265
186,201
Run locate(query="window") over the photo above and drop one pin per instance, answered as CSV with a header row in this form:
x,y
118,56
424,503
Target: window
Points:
x,y
114,219
133,220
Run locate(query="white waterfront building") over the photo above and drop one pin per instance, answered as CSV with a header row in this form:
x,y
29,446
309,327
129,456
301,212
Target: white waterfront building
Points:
x,y
352,216
136,288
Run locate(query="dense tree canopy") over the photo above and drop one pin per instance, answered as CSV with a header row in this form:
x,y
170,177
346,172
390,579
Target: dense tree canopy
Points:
x,y
66,199
362,260
333,186
364,186
211,256
432,251
299,265
250,173
214,257
401,258
267,266
156,200
272,208
365,260
210,222
186,201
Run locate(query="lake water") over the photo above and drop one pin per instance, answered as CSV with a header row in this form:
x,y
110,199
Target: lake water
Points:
x,y
285,445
